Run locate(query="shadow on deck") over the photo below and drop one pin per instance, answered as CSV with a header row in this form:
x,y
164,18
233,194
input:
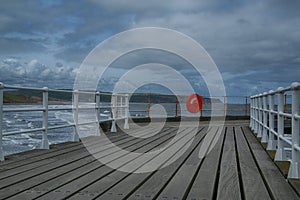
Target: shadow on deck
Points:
x,y
238,167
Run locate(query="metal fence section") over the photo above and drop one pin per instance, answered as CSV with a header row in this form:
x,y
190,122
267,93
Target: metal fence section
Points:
x,y
119,107
116,106
120,110
236,106
269,121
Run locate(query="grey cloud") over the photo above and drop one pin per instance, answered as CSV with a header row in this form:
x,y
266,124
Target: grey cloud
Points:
x,y
250,41
233,39
34,73
17,46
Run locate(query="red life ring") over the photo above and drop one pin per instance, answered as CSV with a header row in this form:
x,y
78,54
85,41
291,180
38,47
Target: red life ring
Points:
x,y
194,103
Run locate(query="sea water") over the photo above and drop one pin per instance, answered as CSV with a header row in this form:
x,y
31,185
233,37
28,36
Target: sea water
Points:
x,y
18,121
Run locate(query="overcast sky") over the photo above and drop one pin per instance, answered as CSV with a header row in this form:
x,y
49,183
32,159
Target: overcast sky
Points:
x,y
255,44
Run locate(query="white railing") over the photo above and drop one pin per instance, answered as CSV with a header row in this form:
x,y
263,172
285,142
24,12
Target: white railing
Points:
x,y
264,115
119,110
232,106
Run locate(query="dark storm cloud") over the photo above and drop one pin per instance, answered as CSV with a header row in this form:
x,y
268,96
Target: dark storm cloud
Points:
x,y
17,45
251,41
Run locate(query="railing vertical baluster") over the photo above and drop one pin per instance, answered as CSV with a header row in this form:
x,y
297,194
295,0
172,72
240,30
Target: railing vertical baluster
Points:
x,y
121,106
271,141
260,115
113,110
257,114
284,103
246,106
224,106
251,114
264,138
176,107
75,137
254,114
280,153
294,171
116,107
98,106
149,104
1,121
45,141
126,126
98,112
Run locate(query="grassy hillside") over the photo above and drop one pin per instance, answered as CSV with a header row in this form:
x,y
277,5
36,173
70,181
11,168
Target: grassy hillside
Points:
x,y
19,98
13,98
27,96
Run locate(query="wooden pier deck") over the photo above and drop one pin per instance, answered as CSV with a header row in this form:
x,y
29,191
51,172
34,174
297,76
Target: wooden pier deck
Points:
x,y
237,168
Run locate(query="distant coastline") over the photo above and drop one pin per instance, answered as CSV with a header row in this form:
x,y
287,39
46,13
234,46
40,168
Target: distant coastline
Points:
x,y
20,99
35,97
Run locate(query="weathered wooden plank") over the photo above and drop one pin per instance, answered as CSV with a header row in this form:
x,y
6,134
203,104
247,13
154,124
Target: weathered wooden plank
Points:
x,y
23,167
65,159
277,185
118,177
229,187
253,185
134,180
295,183
25,155
37,165
204,183
63,170
178,185
73,181
28,157
104,172
150,186
38,154
244,163
23,158
19,163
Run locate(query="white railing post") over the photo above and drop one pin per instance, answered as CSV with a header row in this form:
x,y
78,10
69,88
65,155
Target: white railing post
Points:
x,y
117,107
251,113
264,138
254,115
113,110
271,141
257,115
1,121
45,141
280,153
126,126
294,171
260,115
98,113
121,106
75,137
98,106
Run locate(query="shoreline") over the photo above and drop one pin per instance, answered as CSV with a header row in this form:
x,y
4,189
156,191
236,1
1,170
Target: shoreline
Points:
x,y
41,103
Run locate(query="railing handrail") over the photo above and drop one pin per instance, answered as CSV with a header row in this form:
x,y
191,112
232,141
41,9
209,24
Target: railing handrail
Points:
x,y
262,122
279,90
